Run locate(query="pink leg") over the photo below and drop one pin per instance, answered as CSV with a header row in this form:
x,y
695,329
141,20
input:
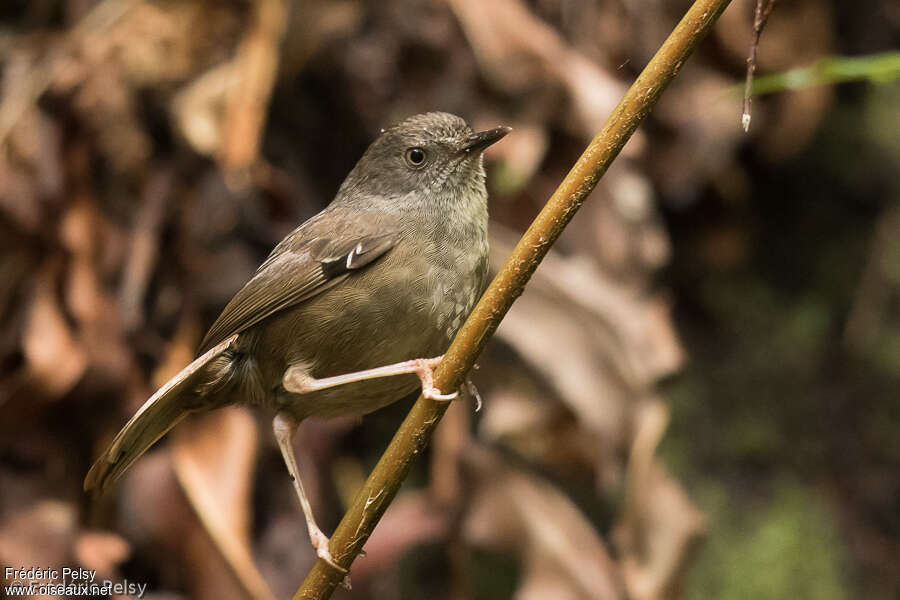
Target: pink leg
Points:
x,y
298,381
284,428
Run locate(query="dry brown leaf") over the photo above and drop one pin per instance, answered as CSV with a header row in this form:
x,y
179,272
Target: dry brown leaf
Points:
x,y
180,351
447,446
660,528
18,198
31,167
413,518
55,358
633,330
222,111
543,432
632,208
521,155
521,54
599,345
35,143
90,302
144,248
120,49
512,511
157,516
314,23
214,458
511,412
566,353
197,108
101,551
152,511
256,65
79,233
707,120
41,535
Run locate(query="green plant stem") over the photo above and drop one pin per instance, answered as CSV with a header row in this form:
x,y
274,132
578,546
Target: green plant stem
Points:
x,y
875,68
415,431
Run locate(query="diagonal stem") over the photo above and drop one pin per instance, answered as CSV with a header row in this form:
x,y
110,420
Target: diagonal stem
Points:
x,y
415,431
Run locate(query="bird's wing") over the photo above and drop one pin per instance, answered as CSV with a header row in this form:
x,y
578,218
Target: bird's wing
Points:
x,y
314,257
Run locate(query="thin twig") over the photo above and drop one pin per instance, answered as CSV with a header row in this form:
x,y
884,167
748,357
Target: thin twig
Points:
x,y
415,431
763,10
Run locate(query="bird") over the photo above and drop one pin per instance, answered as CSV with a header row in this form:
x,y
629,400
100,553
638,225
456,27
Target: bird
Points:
x,y
352,310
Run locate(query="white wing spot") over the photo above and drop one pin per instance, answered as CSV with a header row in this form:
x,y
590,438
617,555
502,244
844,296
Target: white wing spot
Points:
x,y
355,252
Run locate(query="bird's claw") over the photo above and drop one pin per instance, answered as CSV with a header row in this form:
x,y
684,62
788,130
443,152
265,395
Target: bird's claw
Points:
x,y
426,374
320,543
435,394
472,392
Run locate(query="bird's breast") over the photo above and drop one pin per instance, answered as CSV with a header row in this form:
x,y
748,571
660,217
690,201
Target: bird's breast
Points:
x,y
456,287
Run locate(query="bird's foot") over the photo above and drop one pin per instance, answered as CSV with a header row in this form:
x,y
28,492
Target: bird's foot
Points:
x,y
424,368
320,543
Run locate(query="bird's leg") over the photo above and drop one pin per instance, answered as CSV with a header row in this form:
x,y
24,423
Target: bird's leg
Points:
x,y
298,380
285,427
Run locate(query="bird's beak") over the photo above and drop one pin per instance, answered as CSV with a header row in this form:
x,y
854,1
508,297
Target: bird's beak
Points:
x,y
481,140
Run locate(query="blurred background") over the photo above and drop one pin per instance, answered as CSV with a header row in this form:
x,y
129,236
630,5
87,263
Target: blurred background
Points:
x,y
698,396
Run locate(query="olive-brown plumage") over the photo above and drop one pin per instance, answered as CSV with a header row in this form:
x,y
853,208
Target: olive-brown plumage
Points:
x,y
385,274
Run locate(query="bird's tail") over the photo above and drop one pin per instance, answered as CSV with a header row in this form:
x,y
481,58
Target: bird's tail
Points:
x,y
171,403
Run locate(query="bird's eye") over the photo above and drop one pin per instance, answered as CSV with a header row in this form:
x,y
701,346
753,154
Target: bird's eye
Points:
x,y
415,157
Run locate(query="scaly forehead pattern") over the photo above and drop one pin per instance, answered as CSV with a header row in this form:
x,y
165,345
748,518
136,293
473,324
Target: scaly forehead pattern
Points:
x,y
433,126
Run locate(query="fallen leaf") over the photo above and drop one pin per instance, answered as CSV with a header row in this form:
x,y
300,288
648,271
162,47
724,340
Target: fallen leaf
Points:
x,y
55,358
214,458
101,551
520,54
41,535
513,511
660,528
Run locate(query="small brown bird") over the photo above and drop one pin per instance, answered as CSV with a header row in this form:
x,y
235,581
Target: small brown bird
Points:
x,y
337,319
